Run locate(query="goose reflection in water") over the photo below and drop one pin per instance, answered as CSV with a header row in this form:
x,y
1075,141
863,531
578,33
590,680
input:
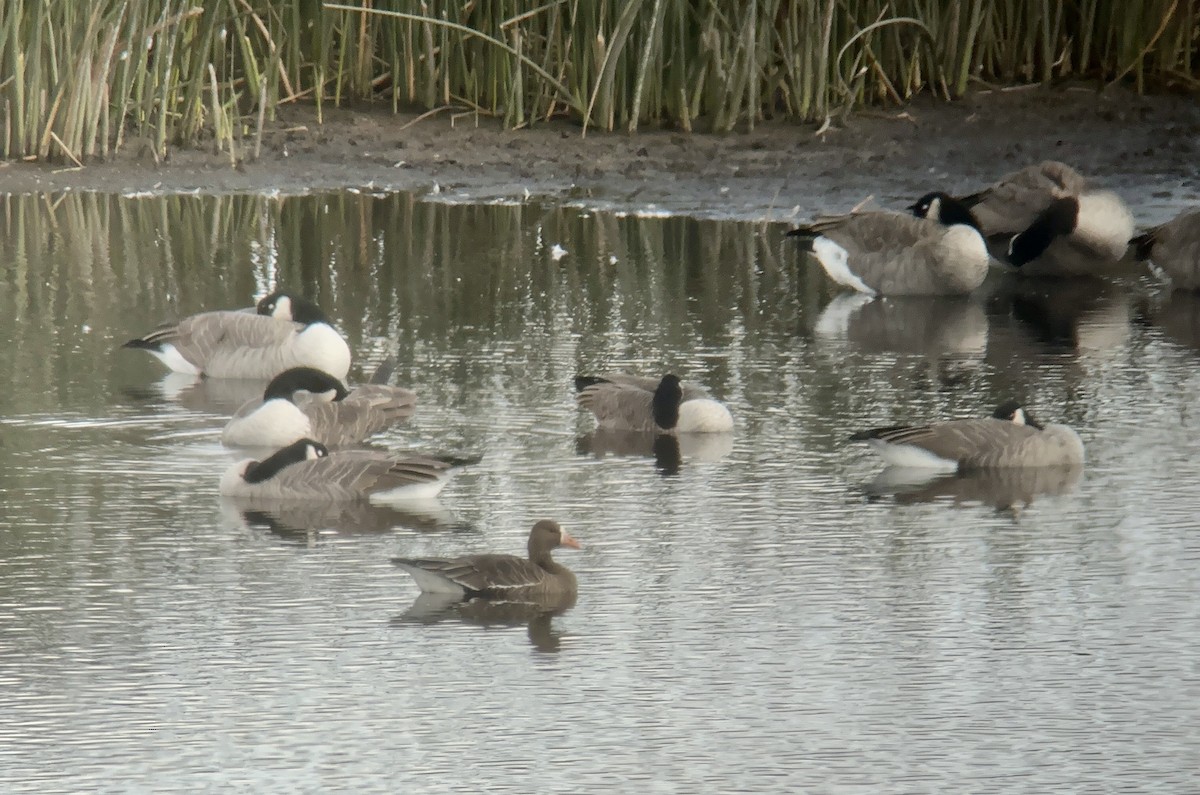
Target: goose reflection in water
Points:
x,y
1178,315
307,522
1066,314
204,395
950,334
536,615
1009,488
668,452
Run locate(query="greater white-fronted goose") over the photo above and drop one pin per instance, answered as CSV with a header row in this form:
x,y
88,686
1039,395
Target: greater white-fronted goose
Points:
x,y
1175,248
307,402
500,576
286,331
308,470
637,403
1009,438
886,253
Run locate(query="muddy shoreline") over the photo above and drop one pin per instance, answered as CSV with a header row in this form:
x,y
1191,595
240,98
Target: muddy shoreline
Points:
x,y
1146,146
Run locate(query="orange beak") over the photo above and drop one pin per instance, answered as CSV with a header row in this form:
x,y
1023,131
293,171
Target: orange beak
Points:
x,y
567,541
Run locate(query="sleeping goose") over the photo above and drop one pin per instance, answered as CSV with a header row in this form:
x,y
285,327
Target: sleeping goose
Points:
x,y
638,403
1074,236
1061,225
1175,248
885,253
500,576
285,331
307,470
1011,204
328,412
1009,438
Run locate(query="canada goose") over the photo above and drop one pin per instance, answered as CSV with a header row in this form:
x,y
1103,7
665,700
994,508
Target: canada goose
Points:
x,y
1011,204
500,576
1009,438
885,253
332,415
307,470
639,403
285,331
1044,219
1175,248
1074,236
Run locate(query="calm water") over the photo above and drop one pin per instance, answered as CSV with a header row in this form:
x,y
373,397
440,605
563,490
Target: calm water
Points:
x,y
767,616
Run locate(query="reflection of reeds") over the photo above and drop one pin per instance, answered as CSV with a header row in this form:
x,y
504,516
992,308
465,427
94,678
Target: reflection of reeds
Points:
x,y
86,271
81,77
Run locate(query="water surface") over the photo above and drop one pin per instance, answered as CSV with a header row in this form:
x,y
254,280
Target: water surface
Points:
x,y
763,614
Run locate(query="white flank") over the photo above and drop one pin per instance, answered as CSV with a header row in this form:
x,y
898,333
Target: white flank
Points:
x,y
274,424
703,416
835,261
911,456
1105,222
171,357
417,492
430,582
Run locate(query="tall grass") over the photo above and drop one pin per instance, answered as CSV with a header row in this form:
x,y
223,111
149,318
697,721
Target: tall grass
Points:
x,y
79,80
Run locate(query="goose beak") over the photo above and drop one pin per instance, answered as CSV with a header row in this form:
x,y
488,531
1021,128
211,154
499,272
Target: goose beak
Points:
x,y
567,541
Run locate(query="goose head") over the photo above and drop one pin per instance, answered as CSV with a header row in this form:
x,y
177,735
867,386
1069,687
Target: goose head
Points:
x,y
939,206
294,453
547,535
1012,411
319,383
283,305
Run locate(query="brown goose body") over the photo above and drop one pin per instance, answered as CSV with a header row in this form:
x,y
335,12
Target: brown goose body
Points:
x,y
1017,199
284,332
492,576
651,405
987,443
1175,248
886,253
307,471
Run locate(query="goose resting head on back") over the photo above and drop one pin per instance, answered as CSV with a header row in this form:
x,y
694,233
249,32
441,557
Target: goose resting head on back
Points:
x,y
327,412
284,331
637,403
1011,437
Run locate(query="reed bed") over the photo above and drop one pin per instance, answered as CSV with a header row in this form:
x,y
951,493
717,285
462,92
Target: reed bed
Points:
x,y
82,80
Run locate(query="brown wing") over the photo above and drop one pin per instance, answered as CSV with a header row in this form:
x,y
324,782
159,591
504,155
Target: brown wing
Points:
x,y
202,337
619,406
364,413
1013,203
650,383
875,232
972,443
361,472
491,574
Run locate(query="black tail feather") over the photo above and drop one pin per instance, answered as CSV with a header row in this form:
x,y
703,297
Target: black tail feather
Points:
x,y
142,344
804,236
1143,245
